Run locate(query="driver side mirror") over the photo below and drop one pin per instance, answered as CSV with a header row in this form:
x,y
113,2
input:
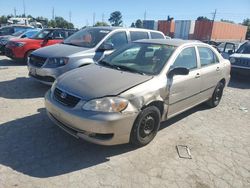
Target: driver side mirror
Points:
x,y
106,46
177,71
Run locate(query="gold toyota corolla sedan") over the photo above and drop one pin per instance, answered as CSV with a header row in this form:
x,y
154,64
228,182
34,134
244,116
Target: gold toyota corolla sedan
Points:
x,y
124,97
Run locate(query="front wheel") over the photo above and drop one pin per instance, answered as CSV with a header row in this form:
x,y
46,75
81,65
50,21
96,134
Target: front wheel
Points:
x,y
145,127
217,95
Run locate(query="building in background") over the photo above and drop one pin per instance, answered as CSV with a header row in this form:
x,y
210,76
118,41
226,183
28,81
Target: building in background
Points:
x,y
167,27
184,29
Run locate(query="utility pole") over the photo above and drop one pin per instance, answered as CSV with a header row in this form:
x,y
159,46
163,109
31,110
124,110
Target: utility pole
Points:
x,y
145,15
24,8
70,16
15,11
214,16
102,17
93,18
53,13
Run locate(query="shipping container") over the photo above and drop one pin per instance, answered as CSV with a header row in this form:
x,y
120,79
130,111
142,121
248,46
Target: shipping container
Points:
x,y
184,29
167,27
219,31
150,24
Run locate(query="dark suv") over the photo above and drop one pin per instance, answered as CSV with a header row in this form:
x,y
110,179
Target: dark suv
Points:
x,y
240,61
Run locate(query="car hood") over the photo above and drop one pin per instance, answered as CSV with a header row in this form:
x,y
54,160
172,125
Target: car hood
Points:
x,y
94,81
58,50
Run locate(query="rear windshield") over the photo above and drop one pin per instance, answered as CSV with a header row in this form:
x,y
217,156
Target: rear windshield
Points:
x,y
87,38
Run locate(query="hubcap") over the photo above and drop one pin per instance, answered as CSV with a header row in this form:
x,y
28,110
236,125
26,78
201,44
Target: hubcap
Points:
x,y
218,94
147,126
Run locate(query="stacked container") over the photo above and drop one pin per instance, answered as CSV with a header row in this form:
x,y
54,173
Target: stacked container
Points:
x,y
184,29
150,24
167,27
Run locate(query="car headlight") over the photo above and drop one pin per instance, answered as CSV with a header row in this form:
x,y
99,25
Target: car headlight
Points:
x,y
19,44
232,60
107,104
57,62
3,42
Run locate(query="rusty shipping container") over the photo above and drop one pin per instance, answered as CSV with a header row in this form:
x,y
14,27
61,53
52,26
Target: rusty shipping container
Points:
x,y
219,31
167,27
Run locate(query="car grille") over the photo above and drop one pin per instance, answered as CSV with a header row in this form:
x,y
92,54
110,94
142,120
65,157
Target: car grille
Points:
x,y
65,98
37,61
242,62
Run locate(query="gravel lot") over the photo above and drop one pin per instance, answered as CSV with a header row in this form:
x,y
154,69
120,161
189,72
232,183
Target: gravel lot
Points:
x,y
36,153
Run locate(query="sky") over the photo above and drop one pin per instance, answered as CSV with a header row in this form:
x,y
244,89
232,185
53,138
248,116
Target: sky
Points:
x,y
84,12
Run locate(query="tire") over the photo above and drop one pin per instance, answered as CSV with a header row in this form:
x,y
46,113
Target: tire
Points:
x,y
217,95
145,126
27,55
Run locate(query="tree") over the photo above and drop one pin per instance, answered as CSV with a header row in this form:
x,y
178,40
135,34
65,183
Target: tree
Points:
x,y
61,23
101,24
228,21
138,24
246,22
133,24
202,18
116,18
3,20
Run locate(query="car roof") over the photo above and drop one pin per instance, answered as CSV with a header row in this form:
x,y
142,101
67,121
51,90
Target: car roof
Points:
x,y
25,26
111,28
171,42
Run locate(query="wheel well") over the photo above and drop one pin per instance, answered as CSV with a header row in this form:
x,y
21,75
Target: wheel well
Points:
x,y
26,53
157,104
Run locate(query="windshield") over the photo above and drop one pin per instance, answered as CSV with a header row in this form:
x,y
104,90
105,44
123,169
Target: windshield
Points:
x,y
18,33
244,49
143,58
42,34
87,38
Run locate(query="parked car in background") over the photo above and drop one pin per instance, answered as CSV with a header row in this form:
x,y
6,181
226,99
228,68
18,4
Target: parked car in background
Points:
x,y
20,34
240,61
20,49
228,48
8,30
82,48
128,93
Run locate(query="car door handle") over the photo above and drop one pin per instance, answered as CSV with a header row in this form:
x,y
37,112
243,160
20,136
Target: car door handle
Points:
x,y
218,68
197,75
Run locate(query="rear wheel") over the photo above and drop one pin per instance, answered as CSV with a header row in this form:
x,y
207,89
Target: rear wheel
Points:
x,y
216,97
146,126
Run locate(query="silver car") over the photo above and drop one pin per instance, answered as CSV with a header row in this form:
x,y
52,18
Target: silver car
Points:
x,y
127,94
84,47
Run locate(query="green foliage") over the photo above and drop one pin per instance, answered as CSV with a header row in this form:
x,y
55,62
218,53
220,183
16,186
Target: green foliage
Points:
x,y
202,18
138,24
246,22
170,18
227,21
60,22
133,24
3,19
101,24
116,18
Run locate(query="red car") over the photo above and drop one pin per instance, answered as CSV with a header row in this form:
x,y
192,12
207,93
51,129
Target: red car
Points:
x,y
20,49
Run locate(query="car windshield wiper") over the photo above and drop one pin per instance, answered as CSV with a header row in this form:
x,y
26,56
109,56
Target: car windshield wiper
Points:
x,y
125,68
106,63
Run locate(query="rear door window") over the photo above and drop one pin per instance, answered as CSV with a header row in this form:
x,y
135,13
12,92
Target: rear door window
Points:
x,y
155,35
118,39
187,58
207,56
137,35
